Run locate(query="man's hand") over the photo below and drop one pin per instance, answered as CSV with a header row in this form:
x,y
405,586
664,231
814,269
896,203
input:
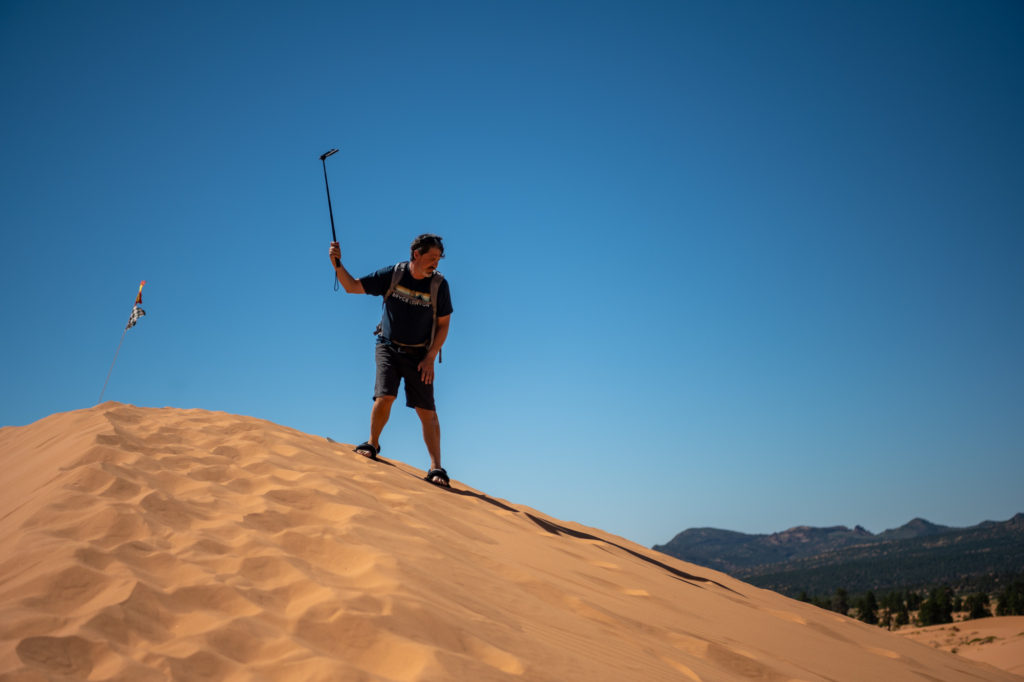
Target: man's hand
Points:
x,y
426,369
350,283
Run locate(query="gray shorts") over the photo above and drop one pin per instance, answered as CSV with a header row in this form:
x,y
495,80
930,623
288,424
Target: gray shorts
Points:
x,y
394,364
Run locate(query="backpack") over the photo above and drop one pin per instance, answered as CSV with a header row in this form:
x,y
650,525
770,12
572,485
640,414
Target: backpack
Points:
x,y
435,286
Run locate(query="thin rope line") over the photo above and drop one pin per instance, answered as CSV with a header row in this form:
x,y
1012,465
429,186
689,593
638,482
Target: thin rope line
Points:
x,y
112,366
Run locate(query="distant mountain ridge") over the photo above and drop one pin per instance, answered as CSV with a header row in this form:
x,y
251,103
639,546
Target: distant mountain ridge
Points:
x,y
817,560
727,550
915,528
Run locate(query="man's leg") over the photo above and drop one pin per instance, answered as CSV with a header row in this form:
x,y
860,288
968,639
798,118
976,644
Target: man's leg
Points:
x,y
385,390
379,417
431,435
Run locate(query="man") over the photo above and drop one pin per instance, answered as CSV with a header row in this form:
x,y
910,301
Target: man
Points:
x,y
412,330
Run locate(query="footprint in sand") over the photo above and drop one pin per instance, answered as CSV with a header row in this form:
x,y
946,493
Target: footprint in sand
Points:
x,y
685,670
182,463
217,598
360,641
166,511
105,526
296,498
743,664
211,474
247,640
138,554
66,590
357,565
202,665
270,571
606,564
58,655
89,479
587,610
694,646
273,521
493,656
227,452
122,490
786,615
140,616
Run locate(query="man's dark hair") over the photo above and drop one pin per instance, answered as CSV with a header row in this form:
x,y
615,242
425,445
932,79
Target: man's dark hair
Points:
x,y
424,243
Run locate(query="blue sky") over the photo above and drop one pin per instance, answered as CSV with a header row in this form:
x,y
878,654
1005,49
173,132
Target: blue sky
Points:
x,y
737,264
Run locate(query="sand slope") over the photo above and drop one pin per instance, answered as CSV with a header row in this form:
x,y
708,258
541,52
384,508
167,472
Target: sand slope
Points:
x,y
997,641
154,544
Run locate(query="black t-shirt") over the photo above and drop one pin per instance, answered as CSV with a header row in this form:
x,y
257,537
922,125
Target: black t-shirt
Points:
x,y
408,315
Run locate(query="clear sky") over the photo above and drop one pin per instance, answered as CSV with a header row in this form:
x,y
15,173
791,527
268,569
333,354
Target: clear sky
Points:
x,y
747,265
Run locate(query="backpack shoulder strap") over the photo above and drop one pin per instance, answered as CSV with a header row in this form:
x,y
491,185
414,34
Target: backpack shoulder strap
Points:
x,y
396,277
435,287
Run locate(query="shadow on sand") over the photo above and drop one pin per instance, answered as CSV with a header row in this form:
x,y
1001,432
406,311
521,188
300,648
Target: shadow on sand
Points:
x,y
556,529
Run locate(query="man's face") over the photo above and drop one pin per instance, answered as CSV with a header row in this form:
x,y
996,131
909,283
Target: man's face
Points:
x,y
427,262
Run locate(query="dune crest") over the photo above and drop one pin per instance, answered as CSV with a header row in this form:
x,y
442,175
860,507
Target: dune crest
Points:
x,y
166,544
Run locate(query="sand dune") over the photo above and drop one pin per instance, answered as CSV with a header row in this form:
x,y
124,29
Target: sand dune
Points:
x,y
155,544
997,641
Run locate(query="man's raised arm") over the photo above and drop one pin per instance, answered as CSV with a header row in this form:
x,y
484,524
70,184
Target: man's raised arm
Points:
x,y
349,283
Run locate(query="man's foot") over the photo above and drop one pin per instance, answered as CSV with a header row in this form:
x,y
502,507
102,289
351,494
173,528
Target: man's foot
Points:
x,y
367,450
438,477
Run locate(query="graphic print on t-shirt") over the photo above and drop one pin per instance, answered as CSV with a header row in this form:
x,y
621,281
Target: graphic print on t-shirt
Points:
x,y
420,298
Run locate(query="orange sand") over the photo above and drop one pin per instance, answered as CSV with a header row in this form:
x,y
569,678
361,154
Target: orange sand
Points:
x,y
164,544
996,641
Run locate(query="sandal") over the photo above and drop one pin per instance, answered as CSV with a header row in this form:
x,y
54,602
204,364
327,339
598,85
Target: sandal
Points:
x,y
367,450
438,477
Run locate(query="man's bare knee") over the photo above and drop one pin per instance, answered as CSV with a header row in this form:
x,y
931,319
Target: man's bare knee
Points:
x,y
427,416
